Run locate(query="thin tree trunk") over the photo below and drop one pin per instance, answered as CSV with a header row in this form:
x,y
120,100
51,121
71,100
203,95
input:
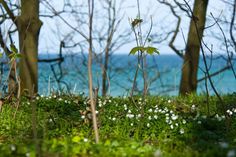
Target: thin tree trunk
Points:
x,y
104,74
92,103
188,82
12,78
29,27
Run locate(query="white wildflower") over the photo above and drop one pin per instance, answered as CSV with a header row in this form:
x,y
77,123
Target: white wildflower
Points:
x,y
27,154
218,117
150,110
193,107
139,116
85,140
155,116
148,125
132,124
104,102
199,122
172,126
150,117
158,153
181,131
229,112
167,121
174,117
100,104
130,115
234,110
13,148
231,153
184,121
113,118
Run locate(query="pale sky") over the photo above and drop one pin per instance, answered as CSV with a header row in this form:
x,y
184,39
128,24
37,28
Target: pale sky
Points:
x,y
54,30
163,21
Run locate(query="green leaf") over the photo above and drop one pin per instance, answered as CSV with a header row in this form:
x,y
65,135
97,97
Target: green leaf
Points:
x,y
150,50
1,54
13,48
18,55
136,49
76,139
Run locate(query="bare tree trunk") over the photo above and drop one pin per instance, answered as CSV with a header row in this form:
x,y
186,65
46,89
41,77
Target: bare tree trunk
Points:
x,y
111,11
29,26
188,82
104,73
92,103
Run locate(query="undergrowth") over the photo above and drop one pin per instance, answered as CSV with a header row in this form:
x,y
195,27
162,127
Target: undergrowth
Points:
x,y
156,126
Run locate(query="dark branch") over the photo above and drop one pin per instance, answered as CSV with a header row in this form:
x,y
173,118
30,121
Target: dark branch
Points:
x,y
9,12
215,73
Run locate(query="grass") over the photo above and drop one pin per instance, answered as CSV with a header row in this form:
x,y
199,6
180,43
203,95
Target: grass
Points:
x,y
156,126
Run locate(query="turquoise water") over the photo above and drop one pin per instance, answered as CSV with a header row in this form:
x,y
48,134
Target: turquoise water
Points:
x,y
164,73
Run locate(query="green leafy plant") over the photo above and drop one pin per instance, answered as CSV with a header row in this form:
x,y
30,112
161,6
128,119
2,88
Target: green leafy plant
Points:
x,y
142,49
164,129
149,50
14,53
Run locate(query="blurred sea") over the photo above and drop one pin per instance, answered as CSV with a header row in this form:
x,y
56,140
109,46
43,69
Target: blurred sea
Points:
x,y
164,73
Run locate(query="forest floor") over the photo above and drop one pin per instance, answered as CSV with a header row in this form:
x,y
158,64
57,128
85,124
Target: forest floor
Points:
x,y
156,126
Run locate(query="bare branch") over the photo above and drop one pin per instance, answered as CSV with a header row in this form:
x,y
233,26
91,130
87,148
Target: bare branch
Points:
x,y
232,24
176,31
3,44
9,12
